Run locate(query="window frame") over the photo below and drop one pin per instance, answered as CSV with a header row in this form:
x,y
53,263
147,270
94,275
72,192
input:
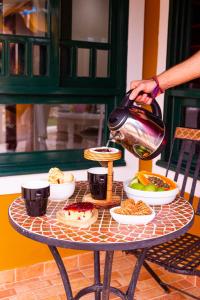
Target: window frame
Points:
x,y
47,90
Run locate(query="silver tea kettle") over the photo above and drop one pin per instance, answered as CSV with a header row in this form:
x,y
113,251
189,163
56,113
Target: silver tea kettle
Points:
x,y
138,130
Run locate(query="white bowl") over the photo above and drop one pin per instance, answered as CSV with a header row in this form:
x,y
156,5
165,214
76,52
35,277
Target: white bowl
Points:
x,y
151,198
61,191
132,219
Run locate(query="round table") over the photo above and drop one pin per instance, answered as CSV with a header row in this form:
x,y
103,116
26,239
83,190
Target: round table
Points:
x,y
105,234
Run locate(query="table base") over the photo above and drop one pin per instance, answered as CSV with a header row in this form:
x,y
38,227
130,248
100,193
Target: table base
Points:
x,y
103,203
101,290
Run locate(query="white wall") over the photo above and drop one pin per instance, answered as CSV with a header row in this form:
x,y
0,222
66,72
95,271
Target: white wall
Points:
x,y
11,184
134,71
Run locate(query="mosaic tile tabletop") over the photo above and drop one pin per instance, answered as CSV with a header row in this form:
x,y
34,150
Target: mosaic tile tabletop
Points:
x,y
170,219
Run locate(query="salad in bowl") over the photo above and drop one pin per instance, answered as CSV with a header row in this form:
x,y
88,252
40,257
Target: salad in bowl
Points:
x,y
152,188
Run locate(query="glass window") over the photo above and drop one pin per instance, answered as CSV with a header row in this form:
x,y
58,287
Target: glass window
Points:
x,y
39,59
90,19
83,62
17,58
102,63
37,127
58,86
20,17
85,41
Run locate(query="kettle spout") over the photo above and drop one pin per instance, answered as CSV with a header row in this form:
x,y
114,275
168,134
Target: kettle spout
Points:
x,y
115,136
111,137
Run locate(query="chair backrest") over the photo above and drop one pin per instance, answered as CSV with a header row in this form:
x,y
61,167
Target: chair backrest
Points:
x,y
189,149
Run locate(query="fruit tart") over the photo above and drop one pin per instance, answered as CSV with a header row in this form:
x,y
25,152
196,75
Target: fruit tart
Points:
x,y
78,214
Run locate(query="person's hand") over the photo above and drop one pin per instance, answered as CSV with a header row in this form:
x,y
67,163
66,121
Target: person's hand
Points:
x,y
145,86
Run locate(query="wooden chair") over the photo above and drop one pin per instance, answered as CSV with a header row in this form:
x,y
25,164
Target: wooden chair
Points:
x,y
181,255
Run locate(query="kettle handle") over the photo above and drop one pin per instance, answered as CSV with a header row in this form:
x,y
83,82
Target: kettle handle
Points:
x,y
126,102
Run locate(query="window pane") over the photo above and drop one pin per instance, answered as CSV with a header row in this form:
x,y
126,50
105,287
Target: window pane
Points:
x,y
102,63
23,17
17,58
191,117
90,19
83,62
39,60
37,127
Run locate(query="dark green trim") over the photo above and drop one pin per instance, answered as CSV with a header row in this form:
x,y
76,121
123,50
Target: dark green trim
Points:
x,y
57,88
163,164
184,92
18,90
59,98
41,162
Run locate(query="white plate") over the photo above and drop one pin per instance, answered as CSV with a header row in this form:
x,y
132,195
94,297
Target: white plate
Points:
x,y
132,219
151,198
112,150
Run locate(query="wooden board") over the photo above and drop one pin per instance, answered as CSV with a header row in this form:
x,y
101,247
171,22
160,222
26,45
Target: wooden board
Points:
x,y
103,203
77,223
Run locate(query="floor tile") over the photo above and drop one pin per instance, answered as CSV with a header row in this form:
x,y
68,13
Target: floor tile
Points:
x,y
48,284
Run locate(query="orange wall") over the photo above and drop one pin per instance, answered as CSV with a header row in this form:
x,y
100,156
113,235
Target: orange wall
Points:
x,y
17,250
151,27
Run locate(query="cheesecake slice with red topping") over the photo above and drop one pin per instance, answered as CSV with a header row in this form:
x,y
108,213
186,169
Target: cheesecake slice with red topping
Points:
x,y
80,211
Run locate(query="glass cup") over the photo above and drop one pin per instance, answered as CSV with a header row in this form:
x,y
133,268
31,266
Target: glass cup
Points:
x,y
35,194
97,178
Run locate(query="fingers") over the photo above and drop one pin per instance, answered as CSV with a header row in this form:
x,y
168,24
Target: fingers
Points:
x,y
136,91
144,98
141,91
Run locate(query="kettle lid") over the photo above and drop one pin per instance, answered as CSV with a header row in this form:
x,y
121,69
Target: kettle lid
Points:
x,y
117,118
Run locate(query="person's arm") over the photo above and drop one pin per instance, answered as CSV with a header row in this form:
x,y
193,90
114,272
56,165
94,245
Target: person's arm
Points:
x,y
181,73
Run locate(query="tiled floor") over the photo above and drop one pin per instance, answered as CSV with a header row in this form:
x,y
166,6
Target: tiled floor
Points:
x,y
49,285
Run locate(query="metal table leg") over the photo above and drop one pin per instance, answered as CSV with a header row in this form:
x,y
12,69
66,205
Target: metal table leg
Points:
x,y
98,288
97,275
107,275
132,285
63,272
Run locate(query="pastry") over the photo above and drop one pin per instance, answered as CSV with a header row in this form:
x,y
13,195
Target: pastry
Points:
x,y
56,176
80,211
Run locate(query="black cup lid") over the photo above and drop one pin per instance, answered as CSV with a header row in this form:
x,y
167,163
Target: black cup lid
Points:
x,y
117,118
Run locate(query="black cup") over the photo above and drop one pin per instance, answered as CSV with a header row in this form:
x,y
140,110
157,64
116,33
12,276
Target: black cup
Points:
x,y
35,195
97,178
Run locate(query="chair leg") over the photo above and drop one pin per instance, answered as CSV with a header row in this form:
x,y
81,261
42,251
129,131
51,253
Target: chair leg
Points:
x,y
162,284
